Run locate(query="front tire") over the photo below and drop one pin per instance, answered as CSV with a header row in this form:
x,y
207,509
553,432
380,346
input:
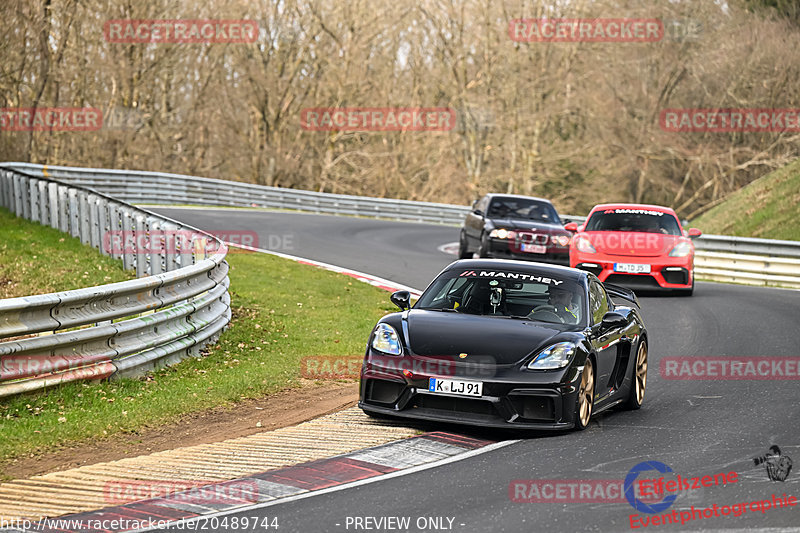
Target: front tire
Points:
x,y
638,378
584,403
483,250
463,249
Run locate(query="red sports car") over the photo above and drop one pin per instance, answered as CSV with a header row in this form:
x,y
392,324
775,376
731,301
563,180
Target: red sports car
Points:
x,y
639,246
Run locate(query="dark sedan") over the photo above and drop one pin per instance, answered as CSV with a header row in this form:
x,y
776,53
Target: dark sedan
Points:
x,y
508,226
507,344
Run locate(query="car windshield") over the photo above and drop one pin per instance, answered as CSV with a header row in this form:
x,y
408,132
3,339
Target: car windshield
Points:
x,y
506,294
641,220
524,209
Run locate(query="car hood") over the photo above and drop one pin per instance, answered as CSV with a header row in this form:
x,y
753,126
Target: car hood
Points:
x,y
517,224
632,243
503,340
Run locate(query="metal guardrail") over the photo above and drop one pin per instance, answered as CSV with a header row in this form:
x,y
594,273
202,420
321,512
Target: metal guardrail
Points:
x,y
179,303
141,187
162,188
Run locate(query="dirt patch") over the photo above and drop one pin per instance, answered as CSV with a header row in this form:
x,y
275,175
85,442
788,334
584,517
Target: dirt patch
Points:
x,y
282,409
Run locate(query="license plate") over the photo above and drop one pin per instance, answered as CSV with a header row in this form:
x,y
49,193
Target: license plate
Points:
x,y
631,268
456,387
533,248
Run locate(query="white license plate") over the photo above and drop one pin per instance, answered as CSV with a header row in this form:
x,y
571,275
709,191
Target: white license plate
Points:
x,y
456,387
631,268
533,248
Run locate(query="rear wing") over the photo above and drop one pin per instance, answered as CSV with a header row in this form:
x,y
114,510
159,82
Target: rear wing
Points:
x,y
622,292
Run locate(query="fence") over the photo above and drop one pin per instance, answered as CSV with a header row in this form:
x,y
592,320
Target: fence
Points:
x,y
179,302
719,258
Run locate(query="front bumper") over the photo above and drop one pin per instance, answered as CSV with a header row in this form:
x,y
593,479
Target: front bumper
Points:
x,y
508,249
665,272
511,399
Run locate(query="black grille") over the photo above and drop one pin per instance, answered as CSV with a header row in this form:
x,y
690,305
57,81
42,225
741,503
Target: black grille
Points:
x,y
676,276
454,404
534,407
634,281
532,238
383,391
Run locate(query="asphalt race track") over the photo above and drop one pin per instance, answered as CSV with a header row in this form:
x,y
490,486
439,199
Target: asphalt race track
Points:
x,y
696,427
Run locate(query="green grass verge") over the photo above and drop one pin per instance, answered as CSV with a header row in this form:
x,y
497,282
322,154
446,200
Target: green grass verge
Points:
x,y
36,259
283,312
768,208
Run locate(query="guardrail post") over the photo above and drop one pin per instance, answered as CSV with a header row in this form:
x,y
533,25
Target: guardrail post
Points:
x,y
16,194
4,188
173,240
74,214
84,219
141,246
53,204
44,211
113,237
95,230
32,203
128,236
186,256
157,246
63,208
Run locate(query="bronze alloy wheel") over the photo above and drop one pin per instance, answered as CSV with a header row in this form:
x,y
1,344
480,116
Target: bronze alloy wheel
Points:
x,y
585,396
640,376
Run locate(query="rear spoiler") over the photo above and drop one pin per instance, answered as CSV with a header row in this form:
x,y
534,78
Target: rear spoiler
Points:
x,y
622,292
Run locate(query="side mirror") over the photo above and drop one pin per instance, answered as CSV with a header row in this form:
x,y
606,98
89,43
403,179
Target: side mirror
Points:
x,y
401,299
572,226
694,232
612,319
478,212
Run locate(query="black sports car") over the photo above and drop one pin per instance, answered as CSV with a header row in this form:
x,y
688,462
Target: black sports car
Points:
x,y
507,344
506,226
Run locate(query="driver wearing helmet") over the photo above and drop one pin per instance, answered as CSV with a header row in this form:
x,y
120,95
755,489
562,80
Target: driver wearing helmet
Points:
x,y
559,300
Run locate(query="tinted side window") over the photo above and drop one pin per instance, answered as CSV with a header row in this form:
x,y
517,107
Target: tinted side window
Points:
x,y
598,301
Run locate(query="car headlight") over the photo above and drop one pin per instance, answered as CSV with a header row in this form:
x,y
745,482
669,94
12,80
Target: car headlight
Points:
x,y
561,240
502,233
584,245
553,357
386,340
682,249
